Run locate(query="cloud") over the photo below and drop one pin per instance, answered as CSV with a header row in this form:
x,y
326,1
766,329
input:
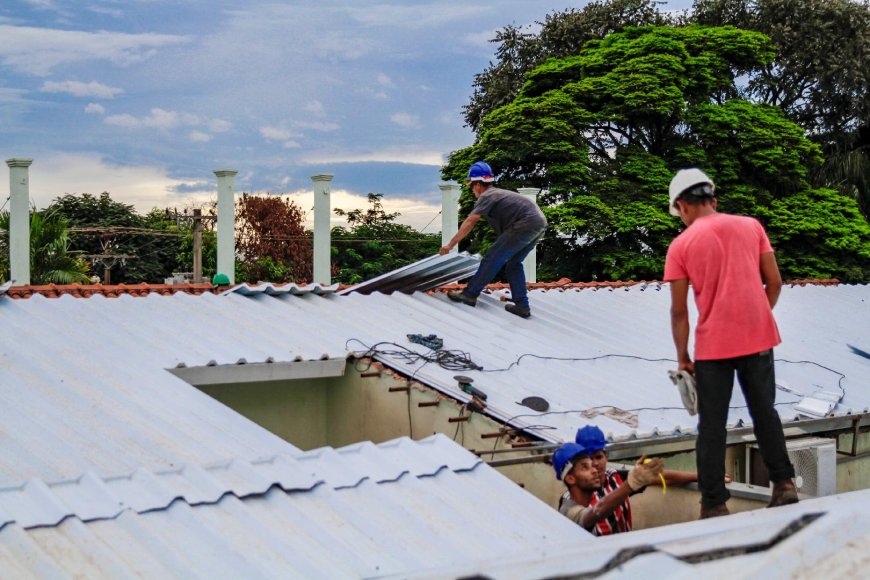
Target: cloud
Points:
x,y
80,89
277,133
316,125
162,119
406,120
414,212
372,93
219,125
315,108
143,186
38,51
391,155
385,81
415,17
281,134
95,108
199,137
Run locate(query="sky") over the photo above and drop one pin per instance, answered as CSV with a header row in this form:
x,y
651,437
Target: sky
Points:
x,y
146,98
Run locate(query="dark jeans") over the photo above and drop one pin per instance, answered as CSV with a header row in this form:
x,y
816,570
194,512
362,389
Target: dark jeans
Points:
x,y
715,381
508,251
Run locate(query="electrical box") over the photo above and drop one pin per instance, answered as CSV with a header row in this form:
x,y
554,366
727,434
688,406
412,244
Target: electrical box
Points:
x,y
815,465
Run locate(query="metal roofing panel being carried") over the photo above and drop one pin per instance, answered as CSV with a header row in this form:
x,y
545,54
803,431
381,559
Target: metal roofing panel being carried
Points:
x,y
426,274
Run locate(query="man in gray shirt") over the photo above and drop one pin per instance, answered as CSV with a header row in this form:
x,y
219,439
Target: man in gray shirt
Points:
x,y
520,225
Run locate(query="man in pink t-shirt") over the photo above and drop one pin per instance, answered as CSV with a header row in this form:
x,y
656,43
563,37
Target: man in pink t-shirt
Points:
x,y
730,265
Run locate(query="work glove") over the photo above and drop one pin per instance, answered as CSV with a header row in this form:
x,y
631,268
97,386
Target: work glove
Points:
x,y
645,472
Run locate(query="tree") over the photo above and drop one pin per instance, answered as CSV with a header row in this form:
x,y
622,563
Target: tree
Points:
x,y
562,34
373,244
271,241
51,260
105,227
820,77
602,132
170,244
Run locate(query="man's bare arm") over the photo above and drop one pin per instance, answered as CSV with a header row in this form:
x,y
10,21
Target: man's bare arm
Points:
x,y
465,229
680,322
771,278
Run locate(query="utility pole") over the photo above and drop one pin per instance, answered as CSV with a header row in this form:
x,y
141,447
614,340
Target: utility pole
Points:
x,y
107,259
195,222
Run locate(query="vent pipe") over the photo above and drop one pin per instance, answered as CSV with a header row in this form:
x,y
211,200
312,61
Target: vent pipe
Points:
x,y
19,221
226,223
322,210
449,212
530,263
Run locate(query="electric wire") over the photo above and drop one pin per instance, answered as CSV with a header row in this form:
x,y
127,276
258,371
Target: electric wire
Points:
x,y
456,360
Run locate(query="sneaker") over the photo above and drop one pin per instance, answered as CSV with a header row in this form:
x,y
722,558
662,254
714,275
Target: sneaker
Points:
x,y
462,297
714,511
518,310
784,493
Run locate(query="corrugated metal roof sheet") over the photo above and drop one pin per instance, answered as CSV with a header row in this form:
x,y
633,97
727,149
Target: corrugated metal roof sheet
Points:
x,y
426,274
595,355
394,508
822,537
111,466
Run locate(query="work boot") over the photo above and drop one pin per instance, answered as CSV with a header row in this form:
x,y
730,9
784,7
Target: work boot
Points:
x,y
518,310
714,511
462,297
784,493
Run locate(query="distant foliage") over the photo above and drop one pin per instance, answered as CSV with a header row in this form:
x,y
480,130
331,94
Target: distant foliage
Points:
x,y
820,77
51,260
602,132
153,257
373,244
271,242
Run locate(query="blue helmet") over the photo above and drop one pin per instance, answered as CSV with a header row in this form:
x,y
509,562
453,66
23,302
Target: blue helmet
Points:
x,y
591,437
564,455
480,171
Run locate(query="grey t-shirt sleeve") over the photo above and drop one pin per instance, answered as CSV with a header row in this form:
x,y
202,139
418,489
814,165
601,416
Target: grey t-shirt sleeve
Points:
x,y
572,510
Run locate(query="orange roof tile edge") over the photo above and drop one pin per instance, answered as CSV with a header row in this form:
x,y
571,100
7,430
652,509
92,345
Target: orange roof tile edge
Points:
x,y
566,284
113,291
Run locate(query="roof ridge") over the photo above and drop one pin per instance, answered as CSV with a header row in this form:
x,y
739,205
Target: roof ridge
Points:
x,y
144,288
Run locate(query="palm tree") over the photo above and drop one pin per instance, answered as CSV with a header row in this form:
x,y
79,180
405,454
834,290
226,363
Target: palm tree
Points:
x,y
50,258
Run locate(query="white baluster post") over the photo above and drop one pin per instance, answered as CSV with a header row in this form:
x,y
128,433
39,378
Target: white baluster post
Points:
x,y
226,223
530,264
322,234
449,212
19,220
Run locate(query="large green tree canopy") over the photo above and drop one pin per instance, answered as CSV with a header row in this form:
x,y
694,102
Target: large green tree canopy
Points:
x,y
601,132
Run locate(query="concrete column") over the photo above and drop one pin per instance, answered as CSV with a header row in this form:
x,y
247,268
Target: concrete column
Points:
x,y
449,212
226,223
322,212
19,221
530,264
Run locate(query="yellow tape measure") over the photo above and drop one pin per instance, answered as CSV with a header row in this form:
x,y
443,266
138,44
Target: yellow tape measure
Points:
x,y
662,477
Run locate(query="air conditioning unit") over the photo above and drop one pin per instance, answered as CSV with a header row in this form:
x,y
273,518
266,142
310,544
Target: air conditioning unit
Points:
x,y
815,465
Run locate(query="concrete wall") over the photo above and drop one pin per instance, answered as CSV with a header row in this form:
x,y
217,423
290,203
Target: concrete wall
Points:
x,y
295,411
371,403
853,472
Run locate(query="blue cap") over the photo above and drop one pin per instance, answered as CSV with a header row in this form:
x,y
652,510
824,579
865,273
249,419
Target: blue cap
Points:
x,y
481,171
563,456
591,437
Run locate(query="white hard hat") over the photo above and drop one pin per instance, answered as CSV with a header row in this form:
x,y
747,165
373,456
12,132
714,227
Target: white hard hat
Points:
x,y
686,179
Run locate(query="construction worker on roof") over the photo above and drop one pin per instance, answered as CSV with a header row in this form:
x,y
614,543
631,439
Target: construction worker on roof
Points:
x,y
729,263
520,225
585,502
592,439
